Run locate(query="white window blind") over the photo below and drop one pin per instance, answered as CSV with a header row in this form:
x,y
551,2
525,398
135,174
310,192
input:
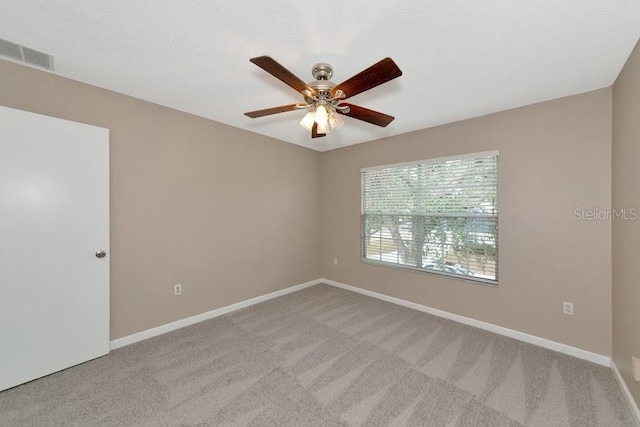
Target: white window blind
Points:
x,y
436,215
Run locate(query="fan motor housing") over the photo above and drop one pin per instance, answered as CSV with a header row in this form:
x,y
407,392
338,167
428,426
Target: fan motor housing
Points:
x,y
322,84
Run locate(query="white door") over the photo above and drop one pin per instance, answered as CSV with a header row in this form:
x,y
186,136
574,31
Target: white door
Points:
x,y
54,217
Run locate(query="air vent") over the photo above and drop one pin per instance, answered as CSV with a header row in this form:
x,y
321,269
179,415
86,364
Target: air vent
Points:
x,y
26,55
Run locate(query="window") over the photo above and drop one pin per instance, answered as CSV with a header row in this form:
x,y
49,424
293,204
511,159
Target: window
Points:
x,y
438,215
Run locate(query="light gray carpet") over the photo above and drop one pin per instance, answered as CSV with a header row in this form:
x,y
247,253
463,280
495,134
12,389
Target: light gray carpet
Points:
x,y
324,357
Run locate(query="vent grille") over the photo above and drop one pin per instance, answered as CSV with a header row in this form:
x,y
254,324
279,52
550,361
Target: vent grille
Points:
x,y
26,55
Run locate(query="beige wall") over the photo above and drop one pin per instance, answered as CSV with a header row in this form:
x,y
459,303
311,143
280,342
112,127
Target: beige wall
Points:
x,y
229,214
232,215
554,157
626,234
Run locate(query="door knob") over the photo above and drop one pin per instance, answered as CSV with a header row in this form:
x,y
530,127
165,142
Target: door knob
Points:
x,y
101,254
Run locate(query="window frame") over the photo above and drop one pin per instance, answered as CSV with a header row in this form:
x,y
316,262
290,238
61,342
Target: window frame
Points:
x,y
475,280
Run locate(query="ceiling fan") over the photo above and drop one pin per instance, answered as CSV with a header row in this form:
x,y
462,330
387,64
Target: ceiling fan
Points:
x,y
324,99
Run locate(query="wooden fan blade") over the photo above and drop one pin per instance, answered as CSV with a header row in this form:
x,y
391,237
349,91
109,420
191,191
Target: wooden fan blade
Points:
x,y
367,115
269,111
378,73
278,71
314,132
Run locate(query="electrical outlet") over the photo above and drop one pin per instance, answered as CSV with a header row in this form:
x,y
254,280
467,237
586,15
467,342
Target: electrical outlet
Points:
x,y
635,365
335,261
567,308
177,289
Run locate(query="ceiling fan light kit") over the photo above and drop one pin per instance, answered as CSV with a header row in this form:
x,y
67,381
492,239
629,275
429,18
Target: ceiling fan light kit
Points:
x,y
323,99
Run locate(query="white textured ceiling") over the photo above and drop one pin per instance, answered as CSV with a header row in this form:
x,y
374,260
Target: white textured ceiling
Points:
x,y
460,58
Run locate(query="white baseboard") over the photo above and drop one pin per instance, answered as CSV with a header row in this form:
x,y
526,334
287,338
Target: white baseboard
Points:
x,y
521,336
531,339
627,394
163,329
